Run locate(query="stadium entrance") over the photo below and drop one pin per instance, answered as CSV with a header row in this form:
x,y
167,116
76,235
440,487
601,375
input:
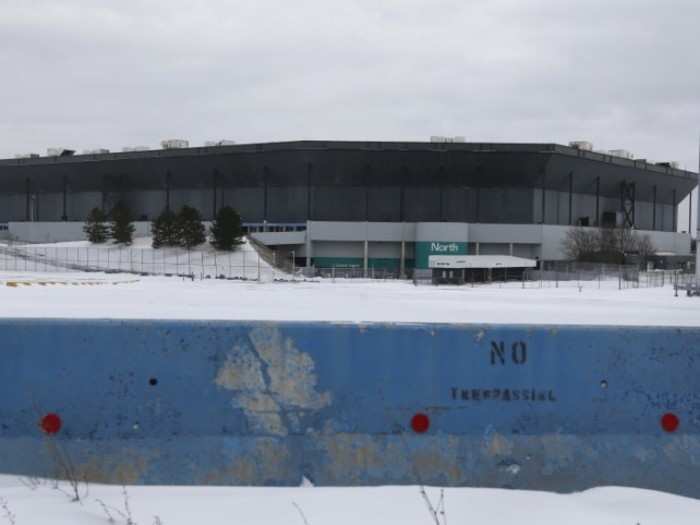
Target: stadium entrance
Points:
x,y
459,269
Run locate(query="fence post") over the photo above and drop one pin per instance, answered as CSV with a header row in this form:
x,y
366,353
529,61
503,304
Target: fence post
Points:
x,y
619,277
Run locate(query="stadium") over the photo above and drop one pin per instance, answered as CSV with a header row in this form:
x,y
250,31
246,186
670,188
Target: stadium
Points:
x,y
365,205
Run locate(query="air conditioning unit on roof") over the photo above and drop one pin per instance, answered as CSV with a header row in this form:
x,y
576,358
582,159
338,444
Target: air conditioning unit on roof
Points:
x,y
622,153
582,145
174,144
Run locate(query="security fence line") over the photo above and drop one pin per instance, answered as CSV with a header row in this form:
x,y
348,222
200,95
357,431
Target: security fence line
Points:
x,y
243,264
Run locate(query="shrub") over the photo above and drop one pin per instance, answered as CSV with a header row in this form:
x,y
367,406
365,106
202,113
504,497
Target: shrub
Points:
x,y
189,227
95,226
226,229
121,227
164,230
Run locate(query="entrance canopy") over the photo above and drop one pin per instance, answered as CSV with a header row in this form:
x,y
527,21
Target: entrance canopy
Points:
x,y
479,261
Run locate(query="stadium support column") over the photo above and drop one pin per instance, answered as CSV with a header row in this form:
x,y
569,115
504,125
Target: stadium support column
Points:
x,y
266,172
675,212
309,171
365,258
309,246
215,188
571,198
690,213
401,195
167,191
402,262
366,182
28,198
653,211
597,201
697,230
544,197
478,204
64,215
442,193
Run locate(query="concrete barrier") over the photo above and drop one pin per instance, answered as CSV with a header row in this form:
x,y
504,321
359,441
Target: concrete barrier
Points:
x,y
180,402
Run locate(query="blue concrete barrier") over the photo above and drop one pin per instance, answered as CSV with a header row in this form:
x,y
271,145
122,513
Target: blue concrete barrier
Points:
x,y
184,402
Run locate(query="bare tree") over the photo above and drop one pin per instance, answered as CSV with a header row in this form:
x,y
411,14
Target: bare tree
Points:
x,y
301,513
580,242
9,515
606,245
645,247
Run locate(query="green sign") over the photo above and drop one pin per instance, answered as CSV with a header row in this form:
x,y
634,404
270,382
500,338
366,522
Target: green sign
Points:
x,y
425,249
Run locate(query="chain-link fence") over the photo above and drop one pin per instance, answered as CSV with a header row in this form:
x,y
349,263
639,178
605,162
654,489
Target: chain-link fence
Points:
x,y
581,274
379,274
244,264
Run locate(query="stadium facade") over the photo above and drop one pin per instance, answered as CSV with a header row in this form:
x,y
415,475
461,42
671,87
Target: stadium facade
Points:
x,y
368,205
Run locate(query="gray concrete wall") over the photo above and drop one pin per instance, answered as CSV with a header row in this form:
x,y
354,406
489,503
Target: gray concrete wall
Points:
x,y
359,231
442,232
338,249
506,233
384,250
47,232
280,238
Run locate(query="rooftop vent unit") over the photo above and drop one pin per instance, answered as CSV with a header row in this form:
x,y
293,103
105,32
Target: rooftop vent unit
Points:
x,y
215,143
59,152
440,139
174,144
622,153
582,145
672,164
98,151
130,149
27,156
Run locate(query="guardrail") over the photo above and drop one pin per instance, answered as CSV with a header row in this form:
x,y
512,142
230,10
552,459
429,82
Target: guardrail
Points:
x,y
559,408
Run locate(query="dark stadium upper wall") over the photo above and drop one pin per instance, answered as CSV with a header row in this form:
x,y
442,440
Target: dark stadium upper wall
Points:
x,y
326,180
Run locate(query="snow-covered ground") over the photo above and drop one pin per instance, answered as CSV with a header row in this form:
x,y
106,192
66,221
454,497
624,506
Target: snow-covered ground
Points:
x,y
139,257
341,301
43,504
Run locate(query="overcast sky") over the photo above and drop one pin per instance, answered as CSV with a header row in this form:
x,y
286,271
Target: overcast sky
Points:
x,y
92,73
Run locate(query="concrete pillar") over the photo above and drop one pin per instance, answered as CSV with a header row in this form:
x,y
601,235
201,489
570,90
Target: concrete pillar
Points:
x,y
309,245
476,247
402,261
510,248
366,257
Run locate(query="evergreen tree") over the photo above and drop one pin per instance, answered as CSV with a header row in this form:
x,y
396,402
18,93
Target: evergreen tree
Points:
x,y
226,229
95,226
190,230
121,228
164,230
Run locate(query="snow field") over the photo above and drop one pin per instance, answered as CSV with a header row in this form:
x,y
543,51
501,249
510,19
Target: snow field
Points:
x,y
33,505
344,301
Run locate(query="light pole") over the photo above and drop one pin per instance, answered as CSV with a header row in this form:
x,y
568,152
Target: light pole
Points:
x,y
697,231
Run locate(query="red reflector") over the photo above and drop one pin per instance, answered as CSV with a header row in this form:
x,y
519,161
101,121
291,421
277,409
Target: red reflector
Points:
x,y
670,422
420,423
51,423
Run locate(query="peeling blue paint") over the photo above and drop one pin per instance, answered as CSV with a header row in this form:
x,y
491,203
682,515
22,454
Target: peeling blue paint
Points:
x,y
179,402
